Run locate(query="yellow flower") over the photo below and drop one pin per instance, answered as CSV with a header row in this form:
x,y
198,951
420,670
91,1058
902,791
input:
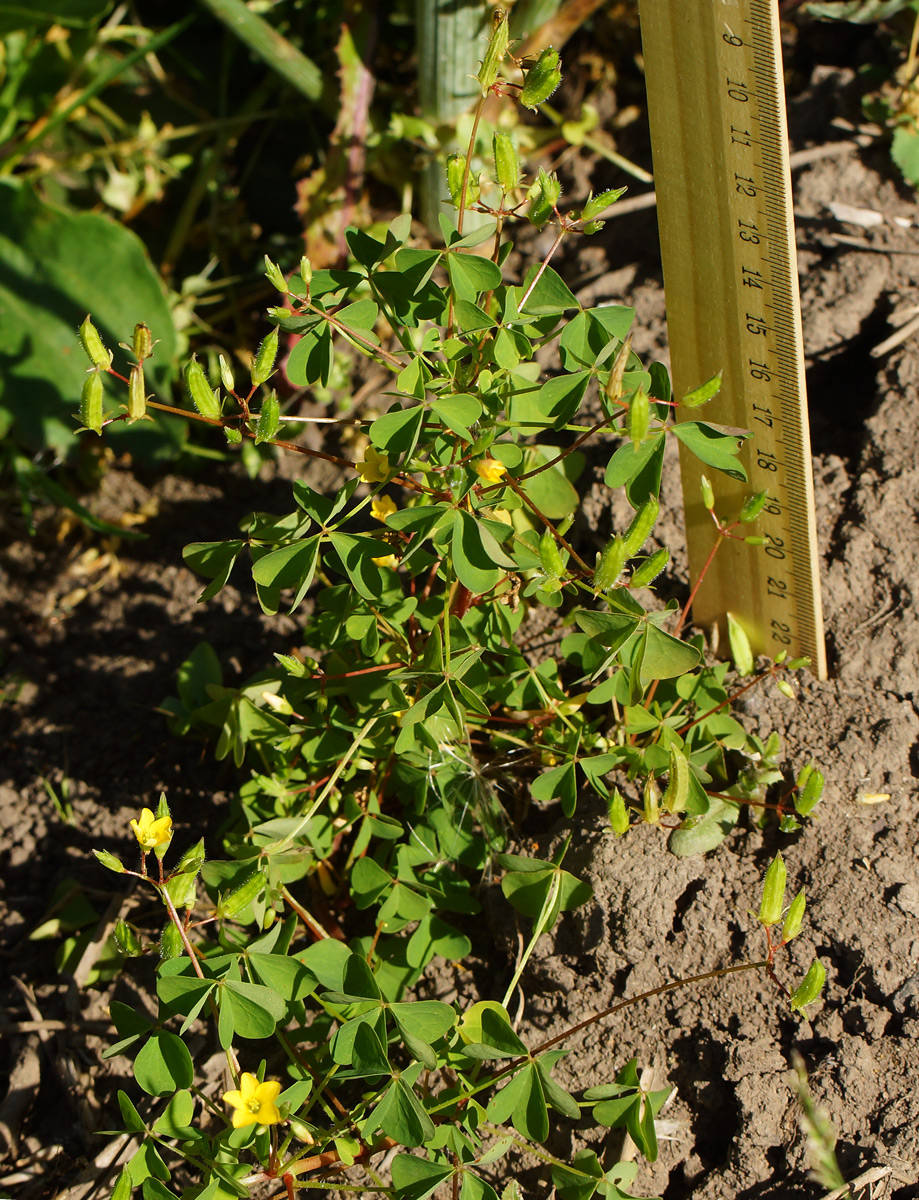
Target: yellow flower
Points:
x,y
382,507
152,831
254,1102
490,470
374,466
387,560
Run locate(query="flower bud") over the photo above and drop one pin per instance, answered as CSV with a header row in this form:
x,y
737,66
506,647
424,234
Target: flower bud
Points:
x,y
542,79
263,364
708,495
92,345
753,506
268,419
226,373
275,276
199,390
91,402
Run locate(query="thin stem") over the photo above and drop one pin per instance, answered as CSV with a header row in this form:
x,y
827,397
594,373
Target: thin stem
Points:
x,y
562,230
511,482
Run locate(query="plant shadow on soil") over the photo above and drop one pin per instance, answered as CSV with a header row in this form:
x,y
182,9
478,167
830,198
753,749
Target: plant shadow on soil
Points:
x,y
94,672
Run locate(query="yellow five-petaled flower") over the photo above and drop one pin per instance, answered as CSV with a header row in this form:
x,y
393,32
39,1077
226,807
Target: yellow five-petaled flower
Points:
x,y
374,467
254,1102
152,831
490,470
382,507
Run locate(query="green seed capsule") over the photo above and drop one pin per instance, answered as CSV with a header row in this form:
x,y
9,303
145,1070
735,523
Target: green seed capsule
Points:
x,y
639,416
640,529
199,390
268,419
91,402
550,556
126,939
137,395
810,987
609,565
649,570
794,918
810,793
542,79
507,165
651,802
677,790
263,363
92,344
497,49
142,343
171,945
773,901
618,814
236,901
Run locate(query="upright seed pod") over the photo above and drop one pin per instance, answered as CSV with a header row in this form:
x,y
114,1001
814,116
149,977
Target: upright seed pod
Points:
x,y
550,556
263,363
640,529
199,390
639,417
142,343
507,165
497,49
92,345
91,402
609,565
268,419
137,394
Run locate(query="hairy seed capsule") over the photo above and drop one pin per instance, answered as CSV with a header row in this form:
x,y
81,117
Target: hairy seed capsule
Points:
x,y
91,402
247,891
92,345
142,342
268,419
126,939
773,901
171,945
648,571
550,557
199,390
263,363
677,790
507,166
618,814
542,79
810,987
497,49
609,565
794,918
640,529
137,394
639,417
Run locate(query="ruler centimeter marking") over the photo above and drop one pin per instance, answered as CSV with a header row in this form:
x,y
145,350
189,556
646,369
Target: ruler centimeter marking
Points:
x,y
716,105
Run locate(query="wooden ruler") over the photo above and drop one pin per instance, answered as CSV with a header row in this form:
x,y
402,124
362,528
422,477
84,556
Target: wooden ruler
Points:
x,y
716,103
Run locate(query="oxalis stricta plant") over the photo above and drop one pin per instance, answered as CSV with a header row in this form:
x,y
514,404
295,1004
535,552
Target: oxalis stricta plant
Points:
x,y
395,753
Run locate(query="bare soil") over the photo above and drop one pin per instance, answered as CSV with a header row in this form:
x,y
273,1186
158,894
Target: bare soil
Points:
x,y
82,675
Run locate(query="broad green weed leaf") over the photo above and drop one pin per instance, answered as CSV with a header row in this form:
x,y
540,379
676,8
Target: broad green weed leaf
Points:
x,y
550,295
163,1065
401,1116
253,1010
397,432
176,1120
699,834
471,275
417,1178
714,446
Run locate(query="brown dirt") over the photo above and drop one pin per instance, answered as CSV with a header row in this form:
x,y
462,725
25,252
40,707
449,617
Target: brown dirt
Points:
x,y
81,681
